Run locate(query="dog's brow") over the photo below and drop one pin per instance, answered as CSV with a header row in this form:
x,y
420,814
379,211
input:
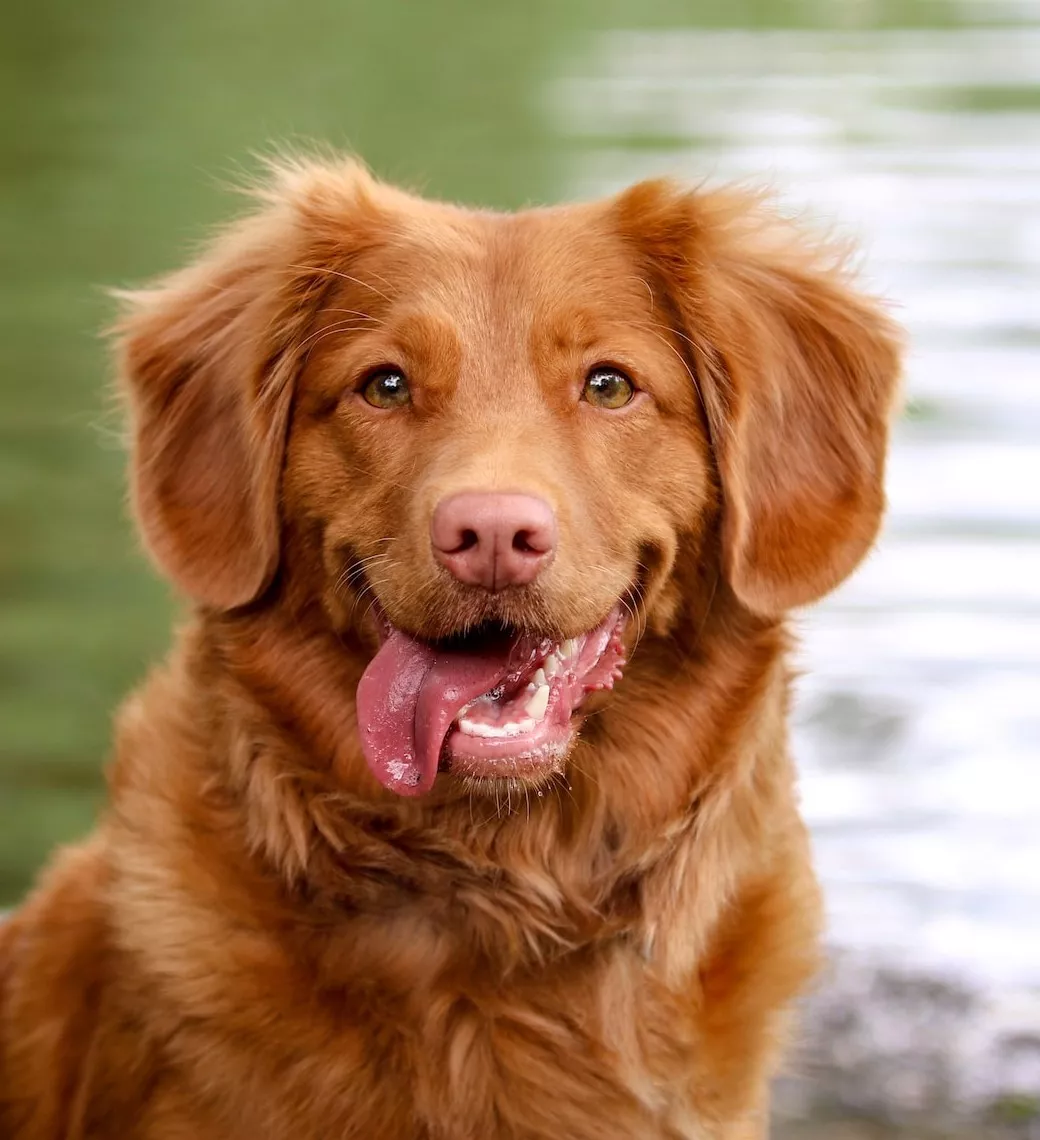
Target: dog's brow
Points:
x,y
568,330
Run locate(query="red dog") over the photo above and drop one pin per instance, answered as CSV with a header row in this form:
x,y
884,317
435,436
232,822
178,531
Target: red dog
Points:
x,y
384,857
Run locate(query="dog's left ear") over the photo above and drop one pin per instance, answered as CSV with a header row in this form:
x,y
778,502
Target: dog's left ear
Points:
x,y
208,359
798,373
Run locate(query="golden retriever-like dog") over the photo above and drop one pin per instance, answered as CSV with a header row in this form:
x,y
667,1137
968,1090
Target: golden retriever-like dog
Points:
x,y
463,807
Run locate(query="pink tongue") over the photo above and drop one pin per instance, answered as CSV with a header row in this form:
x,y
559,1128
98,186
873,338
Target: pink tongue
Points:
x,y
410,694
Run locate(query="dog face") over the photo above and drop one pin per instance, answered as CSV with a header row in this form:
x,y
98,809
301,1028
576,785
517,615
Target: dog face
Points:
x,y
524,359
491,445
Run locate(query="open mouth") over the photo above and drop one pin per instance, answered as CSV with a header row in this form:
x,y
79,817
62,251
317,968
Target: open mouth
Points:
x,y
495,704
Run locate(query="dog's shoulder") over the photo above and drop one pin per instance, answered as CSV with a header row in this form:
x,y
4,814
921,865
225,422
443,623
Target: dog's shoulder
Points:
x,y
57,968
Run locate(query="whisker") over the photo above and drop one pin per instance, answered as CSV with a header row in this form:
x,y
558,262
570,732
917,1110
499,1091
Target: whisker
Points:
x,y
583,772
640,617
359,596
355,568
646,285
371,606
707,612
379,277
716,425
366,592
349,578
565,784
345,276
382,479
359,573
344,326
652,330
353,312
636,613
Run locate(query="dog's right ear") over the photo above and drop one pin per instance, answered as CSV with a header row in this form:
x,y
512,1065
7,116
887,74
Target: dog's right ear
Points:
x,y
798,372
208,358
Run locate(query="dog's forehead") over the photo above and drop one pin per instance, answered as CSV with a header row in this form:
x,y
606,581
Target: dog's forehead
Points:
x,y
553,274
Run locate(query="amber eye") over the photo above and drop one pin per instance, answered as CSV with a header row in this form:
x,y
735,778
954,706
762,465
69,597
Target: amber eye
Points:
x,y
386,388
608,388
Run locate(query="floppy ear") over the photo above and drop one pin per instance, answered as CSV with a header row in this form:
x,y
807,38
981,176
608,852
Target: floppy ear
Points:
x,y
208,358
798,374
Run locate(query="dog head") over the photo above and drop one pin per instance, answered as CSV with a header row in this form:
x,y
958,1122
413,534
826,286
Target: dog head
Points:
x,y
490,445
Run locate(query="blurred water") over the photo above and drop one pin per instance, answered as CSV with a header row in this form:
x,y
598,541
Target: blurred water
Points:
x,y
919,718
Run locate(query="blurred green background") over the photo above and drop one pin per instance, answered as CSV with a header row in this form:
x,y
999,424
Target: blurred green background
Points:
x,y
122,125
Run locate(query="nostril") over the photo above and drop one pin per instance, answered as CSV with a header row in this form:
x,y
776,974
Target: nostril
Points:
x,y
467,540
522,543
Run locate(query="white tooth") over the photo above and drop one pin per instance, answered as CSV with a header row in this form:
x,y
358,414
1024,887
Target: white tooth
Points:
x,y
539,678
552,665
496,731
569,648
537,705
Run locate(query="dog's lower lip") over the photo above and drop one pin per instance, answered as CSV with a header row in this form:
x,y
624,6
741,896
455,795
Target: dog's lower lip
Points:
x,y
532,766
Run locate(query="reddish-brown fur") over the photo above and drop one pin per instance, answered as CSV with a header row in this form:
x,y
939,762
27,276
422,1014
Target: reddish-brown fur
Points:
x,y
259,940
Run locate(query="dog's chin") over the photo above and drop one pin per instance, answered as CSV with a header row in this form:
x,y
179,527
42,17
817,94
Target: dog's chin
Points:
x,y
496,705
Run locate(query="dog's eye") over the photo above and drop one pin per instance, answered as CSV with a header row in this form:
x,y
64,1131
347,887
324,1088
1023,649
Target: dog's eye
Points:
x,y
386,388
608,388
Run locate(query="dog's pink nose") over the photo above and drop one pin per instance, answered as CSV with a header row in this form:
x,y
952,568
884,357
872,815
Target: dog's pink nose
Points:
x,y
493,540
